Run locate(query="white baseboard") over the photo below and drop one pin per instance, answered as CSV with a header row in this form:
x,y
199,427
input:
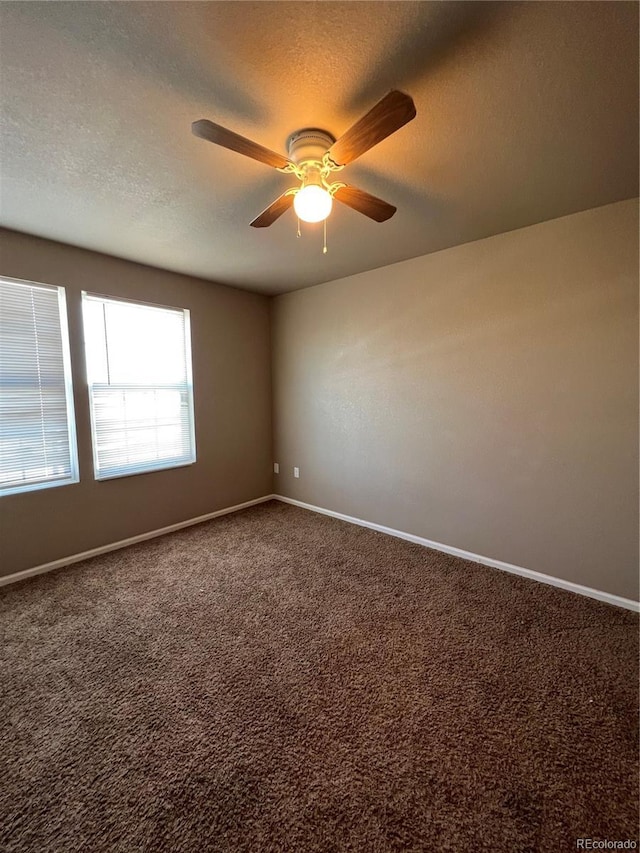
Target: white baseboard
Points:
x,y
607,597
123,543
616,600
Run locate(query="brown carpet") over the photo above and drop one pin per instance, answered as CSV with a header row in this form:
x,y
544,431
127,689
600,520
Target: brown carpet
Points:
x,y
280,681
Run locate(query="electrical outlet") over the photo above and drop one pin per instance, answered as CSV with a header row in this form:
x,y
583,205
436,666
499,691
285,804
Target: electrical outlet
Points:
x,y
296,472
276,468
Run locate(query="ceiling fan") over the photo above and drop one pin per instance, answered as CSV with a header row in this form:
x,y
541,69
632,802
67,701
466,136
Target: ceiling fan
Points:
x,y
314,155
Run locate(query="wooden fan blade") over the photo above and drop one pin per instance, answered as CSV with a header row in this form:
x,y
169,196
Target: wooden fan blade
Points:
x,y
388,115
206,129
273,212
374,208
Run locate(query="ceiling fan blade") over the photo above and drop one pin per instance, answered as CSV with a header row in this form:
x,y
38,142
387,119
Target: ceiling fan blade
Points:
x,y
212,132
273,212
388,115
370,205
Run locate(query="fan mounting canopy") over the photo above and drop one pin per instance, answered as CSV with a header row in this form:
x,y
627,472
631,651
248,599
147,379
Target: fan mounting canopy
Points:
x,y
311,143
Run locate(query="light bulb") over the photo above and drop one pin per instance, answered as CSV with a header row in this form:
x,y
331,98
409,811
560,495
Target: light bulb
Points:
x,y
312,203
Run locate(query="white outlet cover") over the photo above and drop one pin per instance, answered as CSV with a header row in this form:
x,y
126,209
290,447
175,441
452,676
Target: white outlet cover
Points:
x,y
276,468
296,472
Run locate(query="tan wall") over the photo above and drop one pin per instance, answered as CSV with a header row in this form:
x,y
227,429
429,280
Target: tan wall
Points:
x,y
232,397
484,397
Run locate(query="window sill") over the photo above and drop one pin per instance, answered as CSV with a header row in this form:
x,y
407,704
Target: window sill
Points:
x,y
36,487
119,475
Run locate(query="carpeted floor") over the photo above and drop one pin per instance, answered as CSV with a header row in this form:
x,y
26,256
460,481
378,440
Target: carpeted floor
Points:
x,y
277,680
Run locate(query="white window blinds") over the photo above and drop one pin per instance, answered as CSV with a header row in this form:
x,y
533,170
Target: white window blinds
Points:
x,y
37,428
140,387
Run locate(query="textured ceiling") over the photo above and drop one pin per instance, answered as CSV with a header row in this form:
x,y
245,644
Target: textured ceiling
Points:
x,y
526,112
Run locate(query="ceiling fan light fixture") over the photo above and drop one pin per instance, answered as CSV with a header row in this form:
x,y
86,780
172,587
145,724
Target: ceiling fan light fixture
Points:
x,y
314,155
312,203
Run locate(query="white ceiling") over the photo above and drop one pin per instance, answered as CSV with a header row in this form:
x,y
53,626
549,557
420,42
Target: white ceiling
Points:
x,y
526,112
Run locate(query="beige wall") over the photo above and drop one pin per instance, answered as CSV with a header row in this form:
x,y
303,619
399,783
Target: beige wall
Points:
x,y
232,397
484,397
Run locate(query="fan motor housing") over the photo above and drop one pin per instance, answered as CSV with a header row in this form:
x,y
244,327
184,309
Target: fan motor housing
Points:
x,y
309,144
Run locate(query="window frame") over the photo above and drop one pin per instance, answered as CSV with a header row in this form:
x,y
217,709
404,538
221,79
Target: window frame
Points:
x,y
87,295
74,474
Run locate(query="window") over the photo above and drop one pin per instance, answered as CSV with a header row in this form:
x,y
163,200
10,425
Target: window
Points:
x,y
140,388
37,428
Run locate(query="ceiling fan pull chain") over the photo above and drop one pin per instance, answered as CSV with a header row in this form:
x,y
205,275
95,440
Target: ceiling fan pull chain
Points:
x,y
298,234
324,247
